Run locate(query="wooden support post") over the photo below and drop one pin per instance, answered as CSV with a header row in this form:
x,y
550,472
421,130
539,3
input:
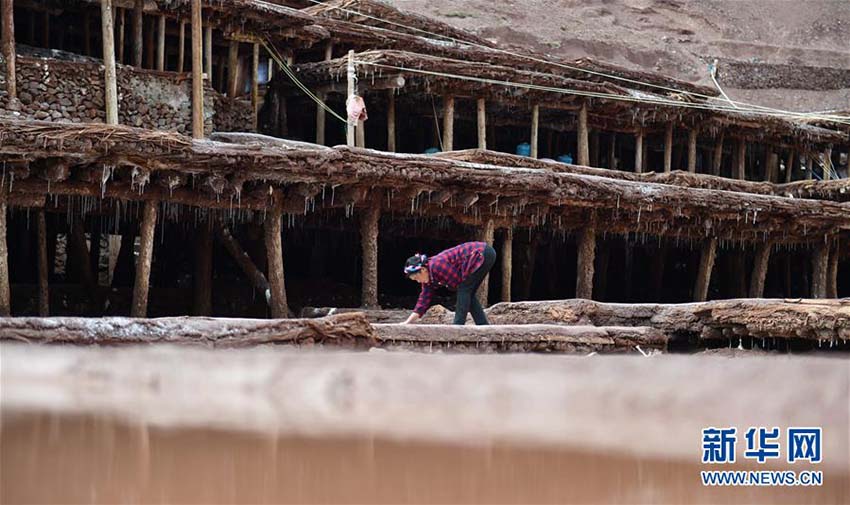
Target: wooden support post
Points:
x,y
759,272
448,122
138,29
481,107
718,155
208,51
692,150
202,285
668,147
612,151
789,165
360,134
820,267
487,235
639,152
369,221
507,263
197,73
320,112
121,34
255,85
741,160
706,264
5,298
809,166
586,260
110,80
233,69
772,167
143,262
181,47
583,142
9,51
274,253
160,44
832,272
391,145
535,129
43,293
349,131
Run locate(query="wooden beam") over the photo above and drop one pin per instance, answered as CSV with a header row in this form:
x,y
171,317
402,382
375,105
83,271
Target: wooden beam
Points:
x,y
832,272
9,49
488,236
360,134
741,160
246,264
668,147
692,150
197,73
583,141
772,168
759,272
320,112
708,254
274,253
481,107
110,79
820,267
233,69
789,165
391,121
586,259
507,264
717,159
138,29
43,289
448,123
255,85
639,152
208,51
181,47
160,44
350,125
535,129
5,298
203,271
369,221
143,262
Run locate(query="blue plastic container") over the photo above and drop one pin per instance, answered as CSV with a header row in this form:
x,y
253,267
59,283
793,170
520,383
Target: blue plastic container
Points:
x,y
566,158
523,149
432,150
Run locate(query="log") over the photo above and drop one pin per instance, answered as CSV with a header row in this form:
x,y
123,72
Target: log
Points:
x,y
507,264
143,262
586,258
110,80
43,289
759,274
360,134
741,160
518,338
208,51
488,236
639,152
160,43
8,42
369,221
789,165
233,69
612,151
706,263
717,159
692,150
820,266
391,121
245,263
320,121
583,143
274,252
481,109
122,34
535,128
138,28
181,46
203,271
668,147
343,329
448,123
197,74
5,297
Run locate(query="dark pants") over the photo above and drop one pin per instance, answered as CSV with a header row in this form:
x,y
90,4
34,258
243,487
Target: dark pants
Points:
x,y
466,300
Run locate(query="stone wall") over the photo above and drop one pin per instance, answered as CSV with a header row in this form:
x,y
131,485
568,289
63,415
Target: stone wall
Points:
x,y
754,75
56,90
232,114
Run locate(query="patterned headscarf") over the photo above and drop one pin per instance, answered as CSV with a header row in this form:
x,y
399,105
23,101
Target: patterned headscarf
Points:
x,y
415,263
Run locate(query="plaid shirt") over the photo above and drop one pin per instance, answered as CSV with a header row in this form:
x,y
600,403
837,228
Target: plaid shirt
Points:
x,y
448,269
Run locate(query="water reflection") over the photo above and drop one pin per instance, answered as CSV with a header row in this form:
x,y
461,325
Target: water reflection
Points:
x,y
91,459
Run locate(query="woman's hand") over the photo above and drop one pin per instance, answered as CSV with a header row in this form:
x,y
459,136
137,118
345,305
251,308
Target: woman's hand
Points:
x,y
412,318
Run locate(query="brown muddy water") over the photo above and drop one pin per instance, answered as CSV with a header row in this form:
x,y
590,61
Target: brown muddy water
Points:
x,y
174,425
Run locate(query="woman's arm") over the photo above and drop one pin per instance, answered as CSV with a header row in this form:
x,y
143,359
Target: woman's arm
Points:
x,y
412,318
